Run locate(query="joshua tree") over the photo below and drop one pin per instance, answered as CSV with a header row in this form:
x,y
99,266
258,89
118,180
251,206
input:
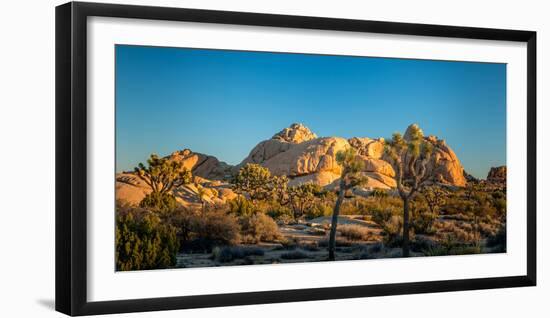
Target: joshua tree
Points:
x,y
162,175
302,197
409,158
350,177
254,180
435,198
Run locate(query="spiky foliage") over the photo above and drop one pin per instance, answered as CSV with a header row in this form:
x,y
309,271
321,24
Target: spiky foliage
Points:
x,y
435,197
163,175
409,158
253,180
350,177
302,198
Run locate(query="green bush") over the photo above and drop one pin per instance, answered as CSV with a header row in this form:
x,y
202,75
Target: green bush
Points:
x,y
280,213
144,242
240,206
320,209
159,201
212,227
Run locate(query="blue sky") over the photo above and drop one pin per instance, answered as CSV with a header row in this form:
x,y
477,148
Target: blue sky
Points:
x,y
223,103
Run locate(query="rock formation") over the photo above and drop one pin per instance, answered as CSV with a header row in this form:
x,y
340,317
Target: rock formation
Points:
x,y
204,166
303,157
497,175
131,189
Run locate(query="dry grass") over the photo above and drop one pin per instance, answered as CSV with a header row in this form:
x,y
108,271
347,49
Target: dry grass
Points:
x,y
355,232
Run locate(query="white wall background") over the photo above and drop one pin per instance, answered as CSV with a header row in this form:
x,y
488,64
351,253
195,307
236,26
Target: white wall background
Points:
x,y
27,158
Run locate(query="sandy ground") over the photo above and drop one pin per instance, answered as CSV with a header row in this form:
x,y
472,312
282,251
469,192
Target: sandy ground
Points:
x,y
306,242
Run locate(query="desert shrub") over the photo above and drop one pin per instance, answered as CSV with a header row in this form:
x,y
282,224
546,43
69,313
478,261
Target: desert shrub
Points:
x,y
259,227
393,236
351,207
318,210
183,220
422,221
280,213
213,227
379,193
457,205
159,201
355,232
381,216
296,254
144,242
241,206
500,206
229,253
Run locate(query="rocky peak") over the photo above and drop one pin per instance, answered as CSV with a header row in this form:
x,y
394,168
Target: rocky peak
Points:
x,y
296,133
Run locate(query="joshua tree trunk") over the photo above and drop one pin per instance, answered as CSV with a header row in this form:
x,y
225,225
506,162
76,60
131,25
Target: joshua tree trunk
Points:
x,y
334,224
406,227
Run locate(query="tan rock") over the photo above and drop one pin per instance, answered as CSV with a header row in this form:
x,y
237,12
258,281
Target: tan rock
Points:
x,y
205,166
294,160
373,148
378,165
296,133
322,178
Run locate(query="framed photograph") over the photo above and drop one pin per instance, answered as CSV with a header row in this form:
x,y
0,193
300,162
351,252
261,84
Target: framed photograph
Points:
x,y
210,158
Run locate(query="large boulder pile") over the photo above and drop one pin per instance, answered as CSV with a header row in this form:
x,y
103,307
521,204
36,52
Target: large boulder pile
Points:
x,y
298,154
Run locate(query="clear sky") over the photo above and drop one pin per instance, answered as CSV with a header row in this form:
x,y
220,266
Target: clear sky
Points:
x,y
223,103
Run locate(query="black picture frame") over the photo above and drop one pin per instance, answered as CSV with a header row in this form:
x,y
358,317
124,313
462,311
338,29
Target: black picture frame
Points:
x,y
71,157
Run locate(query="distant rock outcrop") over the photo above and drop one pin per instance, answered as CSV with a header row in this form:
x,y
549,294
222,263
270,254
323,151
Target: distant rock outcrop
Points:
x,y
204,166
497,175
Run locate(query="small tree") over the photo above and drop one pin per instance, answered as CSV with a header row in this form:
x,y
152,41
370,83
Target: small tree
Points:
x,y
302,198
253,180
409,158
434,197
350,177
162,176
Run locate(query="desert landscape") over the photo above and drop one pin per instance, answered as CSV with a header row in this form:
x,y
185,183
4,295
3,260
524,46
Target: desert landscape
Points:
x,y
298,197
